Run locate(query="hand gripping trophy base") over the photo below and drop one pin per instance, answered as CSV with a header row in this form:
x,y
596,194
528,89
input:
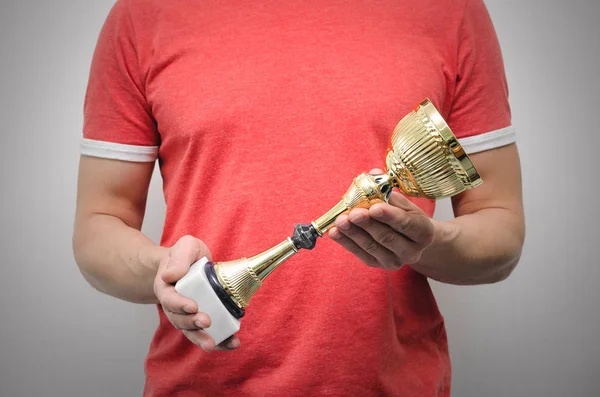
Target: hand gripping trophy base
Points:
x,y
200,285
424,159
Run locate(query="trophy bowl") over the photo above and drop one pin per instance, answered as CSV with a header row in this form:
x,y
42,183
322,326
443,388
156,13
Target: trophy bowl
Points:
x,y
426,157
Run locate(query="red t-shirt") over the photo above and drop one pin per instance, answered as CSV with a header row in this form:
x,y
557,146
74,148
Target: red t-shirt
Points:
x,y
260,115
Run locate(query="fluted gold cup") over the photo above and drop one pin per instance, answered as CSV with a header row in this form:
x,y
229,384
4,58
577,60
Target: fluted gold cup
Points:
x,y
424,159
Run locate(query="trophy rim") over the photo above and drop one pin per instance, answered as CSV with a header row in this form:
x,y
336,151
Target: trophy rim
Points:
x,y
459,156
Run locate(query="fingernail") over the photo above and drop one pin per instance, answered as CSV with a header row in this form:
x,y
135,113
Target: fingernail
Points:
x,y
376,212
199,324
233,344
207,349
189,309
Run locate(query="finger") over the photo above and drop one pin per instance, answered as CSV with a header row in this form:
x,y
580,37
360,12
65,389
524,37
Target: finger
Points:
x,y
389,238
351,246
364,240
233,342
200,338
188,322
399,200
376,171
173,302
181,256
416,226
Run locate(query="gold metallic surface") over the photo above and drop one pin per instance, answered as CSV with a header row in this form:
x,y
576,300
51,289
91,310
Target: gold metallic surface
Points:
x,y
242,277
364,191
424,159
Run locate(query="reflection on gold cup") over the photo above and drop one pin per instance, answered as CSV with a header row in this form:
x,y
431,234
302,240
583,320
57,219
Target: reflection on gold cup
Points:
x,y
424,159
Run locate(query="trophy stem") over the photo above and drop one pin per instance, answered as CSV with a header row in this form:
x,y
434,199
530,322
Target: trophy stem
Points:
x,y
327,220
241,278
365,190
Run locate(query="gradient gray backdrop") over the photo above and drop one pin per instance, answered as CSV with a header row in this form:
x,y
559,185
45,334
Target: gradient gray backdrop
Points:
x,y
532,335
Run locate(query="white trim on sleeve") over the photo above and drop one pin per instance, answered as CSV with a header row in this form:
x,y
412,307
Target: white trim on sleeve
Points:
x,y
119,151
489,140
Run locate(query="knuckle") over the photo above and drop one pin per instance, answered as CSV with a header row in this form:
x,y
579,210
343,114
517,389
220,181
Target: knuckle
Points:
x,y
187,240
428,234
412,258
388,239
173,306
372,247
191,335
165,301
406,225
388,264
189,243
173,319
177,326
356,250
353,248
366,222
372,262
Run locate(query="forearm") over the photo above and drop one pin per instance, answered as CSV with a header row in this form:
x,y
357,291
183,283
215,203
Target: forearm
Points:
x,y
116,259
479,248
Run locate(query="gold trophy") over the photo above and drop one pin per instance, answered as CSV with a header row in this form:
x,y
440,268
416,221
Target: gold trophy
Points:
x,y
424,159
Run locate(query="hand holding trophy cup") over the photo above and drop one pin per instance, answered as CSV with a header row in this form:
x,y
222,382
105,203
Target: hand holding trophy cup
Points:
x,y
424,159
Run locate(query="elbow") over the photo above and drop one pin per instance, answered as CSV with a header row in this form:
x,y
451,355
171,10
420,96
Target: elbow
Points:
x,y
496,267
78,246
82,262
501,273
78,252
503,267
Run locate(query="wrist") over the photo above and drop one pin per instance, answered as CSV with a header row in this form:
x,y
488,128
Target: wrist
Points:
x,y
436,256
445,234
152,256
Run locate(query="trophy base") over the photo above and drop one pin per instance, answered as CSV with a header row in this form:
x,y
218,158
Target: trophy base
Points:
x,y
197,286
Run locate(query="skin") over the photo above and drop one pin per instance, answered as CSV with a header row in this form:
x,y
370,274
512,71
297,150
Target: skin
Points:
x,y
118,260
481,245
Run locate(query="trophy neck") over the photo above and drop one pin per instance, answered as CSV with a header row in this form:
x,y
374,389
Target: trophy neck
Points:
x,y
365,190
327,220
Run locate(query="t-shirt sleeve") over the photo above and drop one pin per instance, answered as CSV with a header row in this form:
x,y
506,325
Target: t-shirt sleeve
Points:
x,y
480,115
118,122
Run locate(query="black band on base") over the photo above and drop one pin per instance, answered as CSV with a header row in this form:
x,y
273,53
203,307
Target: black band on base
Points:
x,y
211,275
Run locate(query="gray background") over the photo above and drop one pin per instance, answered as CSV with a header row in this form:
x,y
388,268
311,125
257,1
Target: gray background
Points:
x,y
532,335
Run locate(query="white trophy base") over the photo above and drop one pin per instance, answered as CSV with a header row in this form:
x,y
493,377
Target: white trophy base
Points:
x,y
195,285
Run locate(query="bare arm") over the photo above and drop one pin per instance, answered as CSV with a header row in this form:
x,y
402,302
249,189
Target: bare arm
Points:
x,y
481,245
111,252
117,259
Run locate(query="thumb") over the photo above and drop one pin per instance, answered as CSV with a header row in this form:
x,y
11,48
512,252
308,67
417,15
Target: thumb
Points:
x,y
182,255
